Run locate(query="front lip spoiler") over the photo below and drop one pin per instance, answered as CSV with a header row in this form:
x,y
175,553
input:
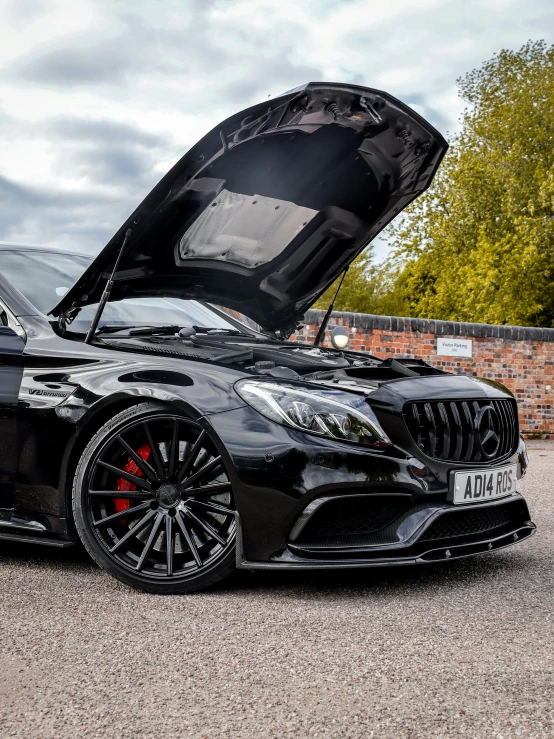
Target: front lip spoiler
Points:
x,y
291,561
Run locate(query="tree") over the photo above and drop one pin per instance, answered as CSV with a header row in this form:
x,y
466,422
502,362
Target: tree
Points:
x,y
479,244
361,290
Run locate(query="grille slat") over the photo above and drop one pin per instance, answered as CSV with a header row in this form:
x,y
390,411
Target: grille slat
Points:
x,y
512,415
457,453
506,422
476,454
431,428
417,426
445,431
469,432
454,430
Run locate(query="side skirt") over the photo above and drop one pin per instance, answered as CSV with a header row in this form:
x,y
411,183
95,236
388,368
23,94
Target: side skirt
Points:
x,y
39,528
41,540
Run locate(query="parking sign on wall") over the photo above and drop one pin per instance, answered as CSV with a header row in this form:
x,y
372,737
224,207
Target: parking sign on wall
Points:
x,y
455,347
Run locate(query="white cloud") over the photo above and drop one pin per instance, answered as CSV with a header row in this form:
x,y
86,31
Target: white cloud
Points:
x,y
98,98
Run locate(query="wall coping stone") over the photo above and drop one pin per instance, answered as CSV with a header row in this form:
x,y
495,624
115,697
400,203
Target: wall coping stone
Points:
x,y
369,321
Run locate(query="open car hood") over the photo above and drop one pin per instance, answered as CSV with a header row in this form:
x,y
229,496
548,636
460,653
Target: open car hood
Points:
x,y
267,209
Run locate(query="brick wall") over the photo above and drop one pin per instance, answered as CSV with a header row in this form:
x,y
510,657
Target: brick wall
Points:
x,y
522,358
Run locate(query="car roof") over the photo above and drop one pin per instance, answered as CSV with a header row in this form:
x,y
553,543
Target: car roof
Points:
x,y
13,246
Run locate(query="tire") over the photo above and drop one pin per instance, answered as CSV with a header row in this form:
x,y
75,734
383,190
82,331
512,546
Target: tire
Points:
x,y
148,477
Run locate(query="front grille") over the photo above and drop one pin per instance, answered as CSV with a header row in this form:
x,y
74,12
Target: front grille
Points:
x,y
355,515
458,430
466,523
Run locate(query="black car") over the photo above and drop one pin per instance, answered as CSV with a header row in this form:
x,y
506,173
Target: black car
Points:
x,y
152,406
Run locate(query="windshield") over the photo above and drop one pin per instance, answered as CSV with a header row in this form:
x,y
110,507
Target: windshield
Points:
x,y
43,277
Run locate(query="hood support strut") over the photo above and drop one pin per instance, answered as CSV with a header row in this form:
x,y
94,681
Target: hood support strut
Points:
x,y
321,332
107,291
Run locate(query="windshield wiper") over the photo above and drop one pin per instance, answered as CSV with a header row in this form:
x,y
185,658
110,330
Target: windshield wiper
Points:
x,y
165,330
230,331
138,330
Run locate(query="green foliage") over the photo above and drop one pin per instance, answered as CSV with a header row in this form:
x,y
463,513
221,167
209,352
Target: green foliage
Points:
x,y
361,289
479,244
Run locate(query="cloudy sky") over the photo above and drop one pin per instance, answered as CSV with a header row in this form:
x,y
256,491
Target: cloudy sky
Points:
x,y
98,98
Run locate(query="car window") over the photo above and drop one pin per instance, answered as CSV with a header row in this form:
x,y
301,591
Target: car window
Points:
x,y
152,311
44,277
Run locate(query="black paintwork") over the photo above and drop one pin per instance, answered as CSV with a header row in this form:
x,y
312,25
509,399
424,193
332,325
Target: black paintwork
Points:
x,y
11,374
337,162
350,158
57,391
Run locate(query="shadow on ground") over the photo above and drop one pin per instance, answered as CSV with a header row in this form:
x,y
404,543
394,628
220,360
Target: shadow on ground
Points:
x,y
319,583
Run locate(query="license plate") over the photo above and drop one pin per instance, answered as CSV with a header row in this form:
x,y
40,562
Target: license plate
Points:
x,y
478,486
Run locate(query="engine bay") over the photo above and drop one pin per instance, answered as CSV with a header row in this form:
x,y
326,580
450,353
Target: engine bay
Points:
x,y
280,359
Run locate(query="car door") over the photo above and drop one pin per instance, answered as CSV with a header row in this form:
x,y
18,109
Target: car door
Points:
x,y
12,344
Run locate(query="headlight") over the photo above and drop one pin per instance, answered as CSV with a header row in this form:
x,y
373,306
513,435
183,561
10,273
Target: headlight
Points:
x,y
315,412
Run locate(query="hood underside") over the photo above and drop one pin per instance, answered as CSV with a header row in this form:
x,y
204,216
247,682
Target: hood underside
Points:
x,y
269,207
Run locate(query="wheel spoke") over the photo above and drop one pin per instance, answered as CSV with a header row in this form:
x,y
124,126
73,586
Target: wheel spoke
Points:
x,y
133,532
141,463
188,538
154,452
173,454
169,543
200,473
162,449
203,458
189,460
213,507
140,482
150,543
207,528
127,513
215,487
128,494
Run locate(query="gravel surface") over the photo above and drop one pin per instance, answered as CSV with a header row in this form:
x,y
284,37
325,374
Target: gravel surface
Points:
x,y
461,649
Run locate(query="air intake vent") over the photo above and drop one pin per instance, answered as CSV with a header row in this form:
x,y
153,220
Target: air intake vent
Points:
x,y
355,515
476,431
477,521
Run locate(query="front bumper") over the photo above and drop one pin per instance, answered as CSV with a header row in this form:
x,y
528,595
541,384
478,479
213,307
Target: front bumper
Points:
x,y
441,554
280,476
421,535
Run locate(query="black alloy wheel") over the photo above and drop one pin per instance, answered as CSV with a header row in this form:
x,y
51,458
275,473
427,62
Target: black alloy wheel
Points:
x,y
153,503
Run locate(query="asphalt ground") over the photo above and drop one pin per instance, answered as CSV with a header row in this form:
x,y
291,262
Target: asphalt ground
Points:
x,y
460,649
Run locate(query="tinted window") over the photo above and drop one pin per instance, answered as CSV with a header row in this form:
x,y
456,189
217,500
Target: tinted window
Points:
x,y
44,277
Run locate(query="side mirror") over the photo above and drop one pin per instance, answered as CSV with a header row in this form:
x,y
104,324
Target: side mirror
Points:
x,y
339,337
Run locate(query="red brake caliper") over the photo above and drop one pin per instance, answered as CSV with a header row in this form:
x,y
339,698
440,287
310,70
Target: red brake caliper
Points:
x,y
121,504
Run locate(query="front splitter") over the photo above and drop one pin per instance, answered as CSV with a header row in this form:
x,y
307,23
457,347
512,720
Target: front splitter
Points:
x,y
290,561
